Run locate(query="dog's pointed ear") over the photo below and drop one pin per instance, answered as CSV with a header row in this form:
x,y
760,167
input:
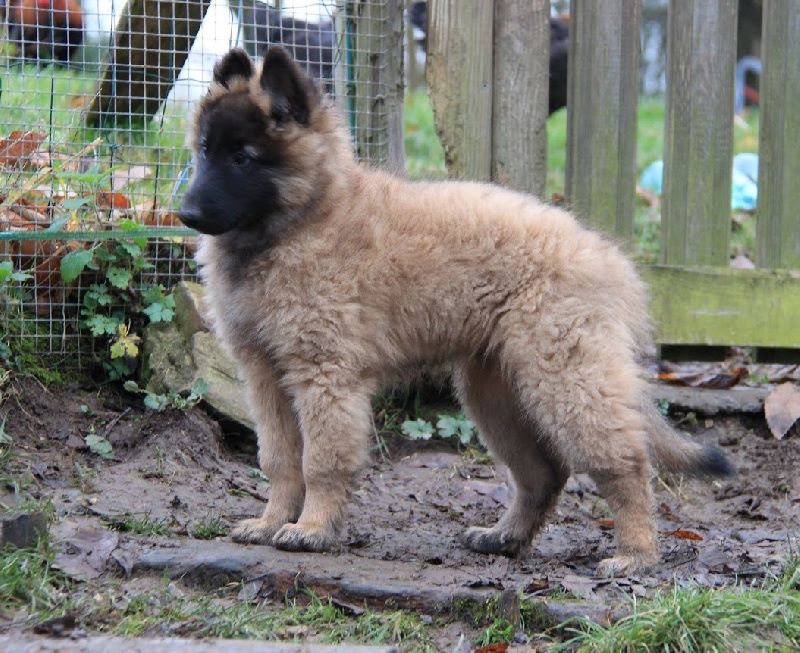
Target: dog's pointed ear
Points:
x,y
294,95
234,64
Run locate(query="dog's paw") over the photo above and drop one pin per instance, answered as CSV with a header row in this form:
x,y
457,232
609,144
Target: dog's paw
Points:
x,y
488,540
298,537
623,565
255,531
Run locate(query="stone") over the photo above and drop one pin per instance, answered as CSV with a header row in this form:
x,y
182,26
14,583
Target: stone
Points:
x,y
191,313
226,393
178,353
23,531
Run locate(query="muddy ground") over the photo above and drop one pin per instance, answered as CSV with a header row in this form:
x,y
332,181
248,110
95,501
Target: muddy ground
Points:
x,y
402,545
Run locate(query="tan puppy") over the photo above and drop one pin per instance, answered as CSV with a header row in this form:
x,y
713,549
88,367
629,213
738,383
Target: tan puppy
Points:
x,y
329,279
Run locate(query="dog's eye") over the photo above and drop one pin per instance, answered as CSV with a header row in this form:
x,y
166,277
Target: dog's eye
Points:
x,y
204,147
240,158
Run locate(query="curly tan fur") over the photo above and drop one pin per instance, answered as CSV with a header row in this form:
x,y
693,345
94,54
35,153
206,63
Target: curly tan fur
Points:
x,y
540,319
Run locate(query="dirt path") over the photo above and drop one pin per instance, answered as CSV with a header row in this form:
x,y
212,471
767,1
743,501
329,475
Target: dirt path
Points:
x,y
402,545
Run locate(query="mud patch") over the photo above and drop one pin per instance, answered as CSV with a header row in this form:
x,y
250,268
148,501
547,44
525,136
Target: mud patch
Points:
x,y
402,547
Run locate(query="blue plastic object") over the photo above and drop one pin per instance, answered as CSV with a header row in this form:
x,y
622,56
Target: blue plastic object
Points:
x,y
744,183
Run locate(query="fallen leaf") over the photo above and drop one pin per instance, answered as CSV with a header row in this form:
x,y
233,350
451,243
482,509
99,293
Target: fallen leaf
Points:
x,y
580,586
84,549
19,146
605,523
106,200
782,409
497,647
497,491
705,379
683,534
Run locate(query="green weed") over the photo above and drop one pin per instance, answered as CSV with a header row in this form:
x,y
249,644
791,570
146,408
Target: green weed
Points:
x,y
139,525
695,620
208,529
27,579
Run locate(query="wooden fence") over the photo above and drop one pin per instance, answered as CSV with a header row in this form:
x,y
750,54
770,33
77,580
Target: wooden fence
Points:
x,y
487,70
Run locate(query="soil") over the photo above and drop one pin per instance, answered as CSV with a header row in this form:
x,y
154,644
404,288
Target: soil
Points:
x,y
408,511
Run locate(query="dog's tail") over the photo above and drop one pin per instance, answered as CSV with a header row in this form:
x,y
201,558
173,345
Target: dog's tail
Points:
x,y
674,453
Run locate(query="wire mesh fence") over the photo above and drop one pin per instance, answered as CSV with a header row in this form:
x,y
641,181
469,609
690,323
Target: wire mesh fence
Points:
x,y
95,99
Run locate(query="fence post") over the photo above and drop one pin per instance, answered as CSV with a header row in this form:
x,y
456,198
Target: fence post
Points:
x,y
519,90
459,75
698,143
374,40
778,224
698,140
601,121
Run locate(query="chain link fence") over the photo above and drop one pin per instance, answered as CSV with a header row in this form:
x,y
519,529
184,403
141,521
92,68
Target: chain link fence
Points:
x,y
95,99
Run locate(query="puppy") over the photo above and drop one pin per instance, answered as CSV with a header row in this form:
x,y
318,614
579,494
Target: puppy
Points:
x,y
328,279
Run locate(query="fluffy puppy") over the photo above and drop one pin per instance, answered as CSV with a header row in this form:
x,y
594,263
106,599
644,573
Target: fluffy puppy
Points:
x,y
328,279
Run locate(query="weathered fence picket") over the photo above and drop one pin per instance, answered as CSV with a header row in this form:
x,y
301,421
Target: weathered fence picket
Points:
x,y
778,225
697,299
698,138
487,72
601,122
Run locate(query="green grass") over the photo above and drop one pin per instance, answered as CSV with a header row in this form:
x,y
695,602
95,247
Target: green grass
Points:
x,y
424,153
27,578
702,620
309,617
139,525
208,529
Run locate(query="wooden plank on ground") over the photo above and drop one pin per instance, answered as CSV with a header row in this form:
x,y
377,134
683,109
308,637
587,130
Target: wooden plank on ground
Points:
x,y
778,224
520,86
724,306
601,124
459,75
698,141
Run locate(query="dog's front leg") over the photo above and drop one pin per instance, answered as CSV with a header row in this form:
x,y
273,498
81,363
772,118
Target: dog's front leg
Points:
x,y
280,451
334,421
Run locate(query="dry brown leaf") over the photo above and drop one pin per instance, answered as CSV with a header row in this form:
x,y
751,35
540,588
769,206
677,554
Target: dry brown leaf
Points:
x,y
106,200
148,214
497,647
782,409
605,523
19,146
683,534
700,379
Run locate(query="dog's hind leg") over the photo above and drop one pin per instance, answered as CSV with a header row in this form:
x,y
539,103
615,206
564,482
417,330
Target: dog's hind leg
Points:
x,y
537,477
588,403
335,421
280,451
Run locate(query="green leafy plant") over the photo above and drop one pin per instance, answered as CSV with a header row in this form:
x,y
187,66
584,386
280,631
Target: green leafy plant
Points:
x,y
208,529
99,445
114,305
171,399
447,427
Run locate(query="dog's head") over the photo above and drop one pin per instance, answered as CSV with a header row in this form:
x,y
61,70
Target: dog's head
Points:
x,y
258,140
